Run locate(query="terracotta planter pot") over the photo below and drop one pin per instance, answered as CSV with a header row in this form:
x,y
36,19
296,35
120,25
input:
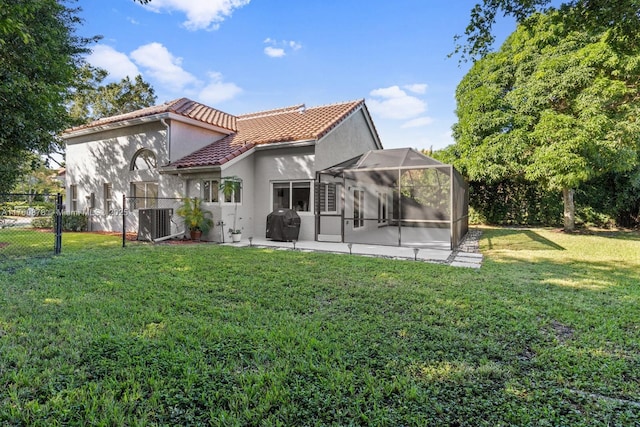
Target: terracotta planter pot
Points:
x,y
196,235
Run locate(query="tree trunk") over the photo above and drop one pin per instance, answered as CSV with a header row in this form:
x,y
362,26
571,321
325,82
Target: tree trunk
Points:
x,y
569,209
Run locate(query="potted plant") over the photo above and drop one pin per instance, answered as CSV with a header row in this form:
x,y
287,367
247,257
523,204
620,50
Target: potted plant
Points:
x,y
230,187
198,220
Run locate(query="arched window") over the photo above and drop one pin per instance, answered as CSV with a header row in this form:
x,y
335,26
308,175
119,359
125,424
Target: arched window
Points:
x,y
144,159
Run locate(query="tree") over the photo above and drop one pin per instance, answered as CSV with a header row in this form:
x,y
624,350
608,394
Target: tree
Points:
x,y
92,100
39,53
554,105
620,17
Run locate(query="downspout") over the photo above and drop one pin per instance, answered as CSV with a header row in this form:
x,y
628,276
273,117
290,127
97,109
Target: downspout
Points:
x,y
166,125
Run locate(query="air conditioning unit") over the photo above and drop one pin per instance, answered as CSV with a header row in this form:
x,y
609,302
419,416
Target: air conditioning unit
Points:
x,y
154,223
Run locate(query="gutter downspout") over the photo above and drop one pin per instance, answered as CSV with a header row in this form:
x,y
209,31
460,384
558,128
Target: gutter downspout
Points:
x,y
166,125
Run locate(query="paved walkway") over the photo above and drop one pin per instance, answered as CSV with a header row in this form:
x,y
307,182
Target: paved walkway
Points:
x,y
466,255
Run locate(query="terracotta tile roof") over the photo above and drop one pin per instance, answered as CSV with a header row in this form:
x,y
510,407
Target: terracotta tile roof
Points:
x,y
290,124
183,106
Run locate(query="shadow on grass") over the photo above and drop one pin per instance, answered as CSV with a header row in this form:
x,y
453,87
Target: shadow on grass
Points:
x,y
520,238
580,274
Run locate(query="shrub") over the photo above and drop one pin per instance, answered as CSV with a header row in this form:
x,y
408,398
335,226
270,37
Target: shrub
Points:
x,y
42,222
74,222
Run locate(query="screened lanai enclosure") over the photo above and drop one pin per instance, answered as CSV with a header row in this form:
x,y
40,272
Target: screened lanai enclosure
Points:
x,y
397,197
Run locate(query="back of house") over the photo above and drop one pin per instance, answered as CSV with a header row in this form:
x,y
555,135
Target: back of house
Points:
x,y
155,156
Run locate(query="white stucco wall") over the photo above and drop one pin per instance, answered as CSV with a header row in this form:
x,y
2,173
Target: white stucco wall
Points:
x,y
282,164
186,138
350,139
96,159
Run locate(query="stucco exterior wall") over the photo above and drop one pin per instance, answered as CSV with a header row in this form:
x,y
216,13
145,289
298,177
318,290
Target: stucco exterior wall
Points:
x,y
351,138
243,168
283,164
186,138
105,157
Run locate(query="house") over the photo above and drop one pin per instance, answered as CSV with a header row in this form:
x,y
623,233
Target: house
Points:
x,y
186,149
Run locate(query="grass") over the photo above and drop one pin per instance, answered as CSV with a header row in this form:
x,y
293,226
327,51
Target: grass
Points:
x,y
546,333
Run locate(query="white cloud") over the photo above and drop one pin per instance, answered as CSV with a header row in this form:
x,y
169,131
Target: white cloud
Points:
x,y
201,14
418,122
165,72
116,63
217,90
274,52
394,103
419,88
389,92
278,49
163,67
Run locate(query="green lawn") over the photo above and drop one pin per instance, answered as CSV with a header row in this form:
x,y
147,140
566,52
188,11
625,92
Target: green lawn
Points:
x,y
547,332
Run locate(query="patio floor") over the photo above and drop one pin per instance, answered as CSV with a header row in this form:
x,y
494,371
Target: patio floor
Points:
x,y
436,254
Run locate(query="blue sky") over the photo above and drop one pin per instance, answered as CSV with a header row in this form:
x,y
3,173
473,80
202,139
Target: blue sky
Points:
x,y
242,56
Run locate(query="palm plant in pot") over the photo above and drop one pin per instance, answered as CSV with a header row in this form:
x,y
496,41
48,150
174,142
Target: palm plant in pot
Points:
x,y
230,187
198,220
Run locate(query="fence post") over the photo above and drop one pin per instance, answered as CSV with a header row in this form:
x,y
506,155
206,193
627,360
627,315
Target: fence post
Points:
x,y
124,220
57,246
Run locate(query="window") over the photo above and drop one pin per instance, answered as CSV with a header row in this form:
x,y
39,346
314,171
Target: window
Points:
x,y
108,199
145,193
327,192
73,196
292,195
209,190
382,207
144,159
358,208
234,196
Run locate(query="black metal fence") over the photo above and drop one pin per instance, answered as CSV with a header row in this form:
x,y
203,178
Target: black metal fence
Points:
x,y
30,225
150,219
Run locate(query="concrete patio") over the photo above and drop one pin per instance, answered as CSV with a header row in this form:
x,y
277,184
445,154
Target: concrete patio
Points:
x,y
437,254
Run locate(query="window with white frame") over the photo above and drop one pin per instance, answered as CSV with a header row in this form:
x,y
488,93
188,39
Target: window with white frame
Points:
x,y
210,190
144,159
234,196
108,198
145,193
327,197
73,197
294,195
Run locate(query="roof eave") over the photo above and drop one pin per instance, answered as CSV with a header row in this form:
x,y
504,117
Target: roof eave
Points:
x,y
113,125
286,144
142,120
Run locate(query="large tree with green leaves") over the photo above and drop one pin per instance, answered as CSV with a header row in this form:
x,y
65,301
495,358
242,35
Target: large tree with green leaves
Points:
x,y
92,100
621,18
39,53
555,105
